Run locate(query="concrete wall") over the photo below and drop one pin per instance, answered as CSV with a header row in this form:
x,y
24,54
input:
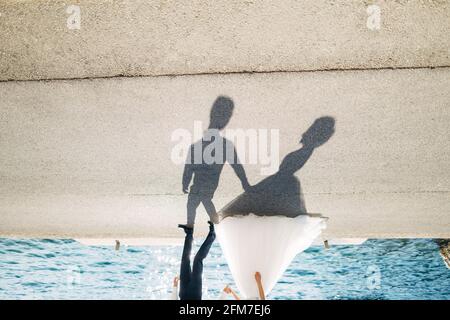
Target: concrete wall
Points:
x,y
91,158
137,38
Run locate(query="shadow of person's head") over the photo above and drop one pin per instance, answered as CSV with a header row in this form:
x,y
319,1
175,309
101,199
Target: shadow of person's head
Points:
x,y
221,112
319,132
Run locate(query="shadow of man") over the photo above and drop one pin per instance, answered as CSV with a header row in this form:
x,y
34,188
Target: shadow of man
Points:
x,y
281,194
205,161
204,164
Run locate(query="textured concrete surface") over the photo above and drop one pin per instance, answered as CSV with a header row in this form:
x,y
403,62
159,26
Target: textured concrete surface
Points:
x,y
91,158
135,38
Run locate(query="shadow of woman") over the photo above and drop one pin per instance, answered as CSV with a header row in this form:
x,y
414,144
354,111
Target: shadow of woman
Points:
x,y
280,193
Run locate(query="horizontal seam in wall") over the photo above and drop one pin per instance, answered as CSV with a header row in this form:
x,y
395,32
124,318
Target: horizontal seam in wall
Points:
x,y
222,73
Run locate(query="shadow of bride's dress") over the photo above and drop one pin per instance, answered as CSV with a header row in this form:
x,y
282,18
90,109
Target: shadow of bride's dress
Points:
x,y
278,194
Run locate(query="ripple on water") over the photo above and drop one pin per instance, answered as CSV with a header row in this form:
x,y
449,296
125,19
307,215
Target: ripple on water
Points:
x,y
302,272
55,241
14,251
132,272
102,263
33,284
36,255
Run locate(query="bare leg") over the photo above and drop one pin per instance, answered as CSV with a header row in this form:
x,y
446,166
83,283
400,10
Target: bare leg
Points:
x,y
228,290
262,295
235,296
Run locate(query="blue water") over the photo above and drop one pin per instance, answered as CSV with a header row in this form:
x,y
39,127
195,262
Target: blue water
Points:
x,y
65,269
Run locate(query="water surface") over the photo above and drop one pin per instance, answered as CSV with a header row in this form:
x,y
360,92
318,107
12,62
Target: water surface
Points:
x,y
66,269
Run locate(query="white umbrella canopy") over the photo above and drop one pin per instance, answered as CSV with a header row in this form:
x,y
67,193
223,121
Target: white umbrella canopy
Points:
x,y
266,244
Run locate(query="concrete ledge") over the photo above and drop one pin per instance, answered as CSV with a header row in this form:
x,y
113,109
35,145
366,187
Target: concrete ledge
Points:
x,y
91,158
138,38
